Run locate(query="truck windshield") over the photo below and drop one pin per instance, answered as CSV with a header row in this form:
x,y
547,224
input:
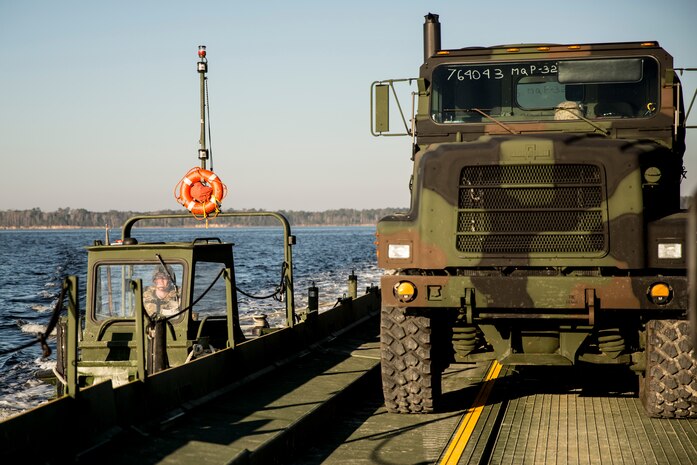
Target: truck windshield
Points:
x,y
545,90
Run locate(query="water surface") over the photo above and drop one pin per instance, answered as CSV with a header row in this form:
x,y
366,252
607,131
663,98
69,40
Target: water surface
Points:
x,y
33,264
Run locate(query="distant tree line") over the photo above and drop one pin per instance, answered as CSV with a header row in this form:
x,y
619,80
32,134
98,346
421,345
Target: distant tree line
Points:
x,y
81,218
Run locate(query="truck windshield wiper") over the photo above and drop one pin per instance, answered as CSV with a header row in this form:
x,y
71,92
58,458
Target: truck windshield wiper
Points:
x,y
604,132
477,110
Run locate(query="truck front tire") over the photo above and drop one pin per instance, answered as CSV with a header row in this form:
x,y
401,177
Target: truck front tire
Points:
x,y
668,388
410,383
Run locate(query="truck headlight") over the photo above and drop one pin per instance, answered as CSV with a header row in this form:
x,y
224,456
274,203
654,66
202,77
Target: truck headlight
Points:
x,y
399,251
670,251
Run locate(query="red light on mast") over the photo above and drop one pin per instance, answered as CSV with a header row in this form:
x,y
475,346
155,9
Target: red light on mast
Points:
x,y
202,51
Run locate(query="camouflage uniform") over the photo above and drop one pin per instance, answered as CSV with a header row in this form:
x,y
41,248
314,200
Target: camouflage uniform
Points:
x,y
169,305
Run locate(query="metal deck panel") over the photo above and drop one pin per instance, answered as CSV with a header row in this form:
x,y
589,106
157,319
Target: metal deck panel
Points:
x,y
548,416
550,419
370,435
254,419
577,427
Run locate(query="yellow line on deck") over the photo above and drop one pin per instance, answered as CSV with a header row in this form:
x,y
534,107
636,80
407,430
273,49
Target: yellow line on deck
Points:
x,y
468,422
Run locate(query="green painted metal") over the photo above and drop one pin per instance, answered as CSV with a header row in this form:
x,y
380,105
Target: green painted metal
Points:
x,y
73,324
382,108
692,266
353,286
231,314
137,289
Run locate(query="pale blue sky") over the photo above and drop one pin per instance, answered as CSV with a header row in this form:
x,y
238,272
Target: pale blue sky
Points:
x,y
99,100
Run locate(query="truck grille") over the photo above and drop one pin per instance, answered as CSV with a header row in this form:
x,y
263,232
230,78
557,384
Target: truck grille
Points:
x,y
524,209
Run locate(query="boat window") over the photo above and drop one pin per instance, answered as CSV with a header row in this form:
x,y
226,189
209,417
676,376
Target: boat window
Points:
x,y
535,91
212,301
162,289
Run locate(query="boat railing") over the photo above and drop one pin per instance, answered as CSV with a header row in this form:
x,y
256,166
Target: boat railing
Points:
x,y
288,243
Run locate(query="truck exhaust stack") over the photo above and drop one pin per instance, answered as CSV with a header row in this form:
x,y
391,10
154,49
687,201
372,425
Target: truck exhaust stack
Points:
x,y
431,35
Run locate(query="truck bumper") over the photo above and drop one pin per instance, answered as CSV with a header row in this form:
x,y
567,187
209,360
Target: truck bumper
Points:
x,y
555,297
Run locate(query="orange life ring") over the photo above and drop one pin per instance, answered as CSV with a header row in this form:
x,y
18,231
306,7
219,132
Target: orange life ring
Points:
x,y
205,198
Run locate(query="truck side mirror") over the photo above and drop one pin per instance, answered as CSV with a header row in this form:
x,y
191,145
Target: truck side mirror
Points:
x,y
382,108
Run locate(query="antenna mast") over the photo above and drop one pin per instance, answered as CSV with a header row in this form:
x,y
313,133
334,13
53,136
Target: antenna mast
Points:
x,y
200,190
202,67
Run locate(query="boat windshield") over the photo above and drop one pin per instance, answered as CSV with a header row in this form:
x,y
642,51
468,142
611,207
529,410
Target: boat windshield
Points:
x,y
545,90
161,289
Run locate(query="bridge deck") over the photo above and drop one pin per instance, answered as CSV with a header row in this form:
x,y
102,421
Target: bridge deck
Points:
x,y
259,421
325,407
577,422
531,416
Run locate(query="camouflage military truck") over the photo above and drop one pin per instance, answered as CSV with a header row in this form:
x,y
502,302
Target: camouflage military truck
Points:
x,y
545,225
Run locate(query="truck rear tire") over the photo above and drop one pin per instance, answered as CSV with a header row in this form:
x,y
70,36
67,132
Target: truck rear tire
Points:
x,y
668,388
410,383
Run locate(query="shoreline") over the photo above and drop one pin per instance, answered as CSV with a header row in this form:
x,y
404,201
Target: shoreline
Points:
x,y
210,226
81,219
